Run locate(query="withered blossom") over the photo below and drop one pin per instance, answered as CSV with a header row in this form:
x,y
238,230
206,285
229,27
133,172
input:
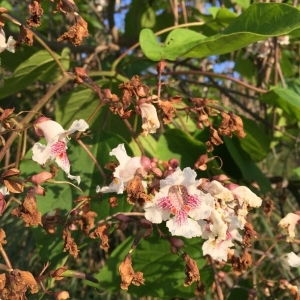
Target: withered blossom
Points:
x,y
36,12
77,32
168,109
128,276
70,244
191,270
102,232
25,36
136,191
28,210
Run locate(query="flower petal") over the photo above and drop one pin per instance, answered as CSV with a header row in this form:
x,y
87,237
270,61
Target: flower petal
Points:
x,y
149,118
190,229
78,125
116,186
41,153
293,260
10,46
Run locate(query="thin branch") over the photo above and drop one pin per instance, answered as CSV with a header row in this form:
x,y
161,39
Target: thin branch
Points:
x,y
92,157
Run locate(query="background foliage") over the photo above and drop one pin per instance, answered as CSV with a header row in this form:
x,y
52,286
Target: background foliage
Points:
x,y
211,52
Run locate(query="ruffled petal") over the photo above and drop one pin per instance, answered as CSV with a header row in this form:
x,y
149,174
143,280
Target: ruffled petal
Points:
x,y
10,46
244,194
190,229
41,153
217,251
121,154
78,125
116,186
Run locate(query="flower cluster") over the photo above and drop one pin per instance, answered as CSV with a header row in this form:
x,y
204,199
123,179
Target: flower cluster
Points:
x,y
191,207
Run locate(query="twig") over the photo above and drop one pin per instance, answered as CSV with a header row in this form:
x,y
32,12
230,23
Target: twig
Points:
x,y
92,157
216,278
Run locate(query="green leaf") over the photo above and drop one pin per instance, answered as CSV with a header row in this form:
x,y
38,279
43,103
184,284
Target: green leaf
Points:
x,y
255,24
256,142
163,271
30,70
286,99
248,168
242,3
175,143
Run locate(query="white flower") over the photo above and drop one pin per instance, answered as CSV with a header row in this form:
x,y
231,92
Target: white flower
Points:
x,y
289,223
179,196
124,172
293,260
217,250
4,191
149,118
56,138
6,46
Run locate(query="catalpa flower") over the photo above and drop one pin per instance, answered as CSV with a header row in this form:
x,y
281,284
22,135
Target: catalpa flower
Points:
x,y
123,173
289,223
181,203
6,46
149,118
56,139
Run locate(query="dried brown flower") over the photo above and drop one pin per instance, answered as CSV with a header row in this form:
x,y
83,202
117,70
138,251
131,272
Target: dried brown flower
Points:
x,y
240,264
28,210
191,270
168,109
50,221
249,234
25,37
36,12
136,191
102,232
77,32
2,237
128,276
113,202
70,244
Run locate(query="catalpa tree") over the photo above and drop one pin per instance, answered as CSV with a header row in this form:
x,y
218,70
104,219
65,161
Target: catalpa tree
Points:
x,y
149,149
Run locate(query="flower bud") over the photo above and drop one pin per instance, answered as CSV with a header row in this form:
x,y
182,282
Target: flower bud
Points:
x,y
157,172
62,295
221,178
41,177
146,163
231,186
173,163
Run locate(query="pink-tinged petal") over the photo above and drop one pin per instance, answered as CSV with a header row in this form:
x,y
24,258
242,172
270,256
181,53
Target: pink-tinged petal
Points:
x,y
116,186
189,229
62,161
293,260
78,125
164,203
50,129
127,171
155,214
41,153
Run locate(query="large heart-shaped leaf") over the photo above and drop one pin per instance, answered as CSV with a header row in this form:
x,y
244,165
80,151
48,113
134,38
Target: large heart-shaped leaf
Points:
x,y
255,24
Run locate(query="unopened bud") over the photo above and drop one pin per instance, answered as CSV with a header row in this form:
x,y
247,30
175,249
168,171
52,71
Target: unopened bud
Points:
x,y
157,172
146,163
173,163
63,295
231,186
221,178
41,177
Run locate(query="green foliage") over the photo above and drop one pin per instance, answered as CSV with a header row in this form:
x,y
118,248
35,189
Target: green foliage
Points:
x,y
253,25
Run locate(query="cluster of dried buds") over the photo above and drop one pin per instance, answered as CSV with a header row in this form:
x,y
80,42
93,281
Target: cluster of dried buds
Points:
x,y
75,34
